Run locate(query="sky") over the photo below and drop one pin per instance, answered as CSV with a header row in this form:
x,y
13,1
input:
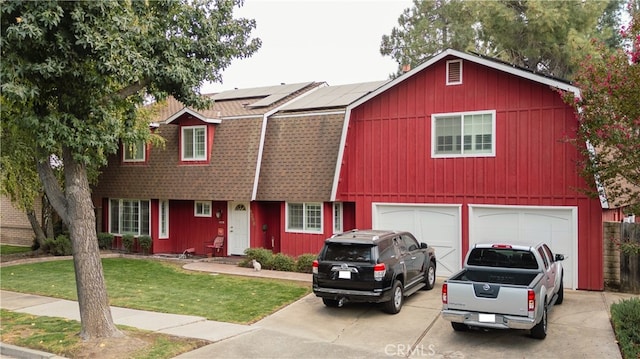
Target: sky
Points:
x,y
332,41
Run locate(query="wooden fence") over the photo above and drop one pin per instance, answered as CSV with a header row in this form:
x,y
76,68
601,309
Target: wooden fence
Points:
x,y
621,270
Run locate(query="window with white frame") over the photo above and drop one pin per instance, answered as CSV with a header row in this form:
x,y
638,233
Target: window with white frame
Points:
x,y
337,217
163,219
202,209
129,216
304,217
470,134
194,143
134,152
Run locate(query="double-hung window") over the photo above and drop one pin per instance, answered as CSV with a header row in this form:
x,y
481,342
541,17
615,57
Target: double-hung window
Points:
x,y
202,209
129,216
304,217
470,134
134,151
194,143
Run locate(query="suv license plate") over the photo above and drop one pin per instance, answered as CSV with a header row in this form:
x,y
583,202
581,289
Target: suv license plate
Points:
x,y
344,274
486,318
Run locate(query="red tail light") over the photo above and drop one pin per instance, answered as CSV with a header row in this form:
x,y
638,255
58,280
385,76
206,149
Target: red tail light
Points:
x,y
379,270
531,300
445,297
315,267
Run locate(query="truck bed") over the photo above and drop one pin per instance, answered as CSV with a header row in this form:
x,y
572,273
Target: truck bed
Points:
x,y
492,275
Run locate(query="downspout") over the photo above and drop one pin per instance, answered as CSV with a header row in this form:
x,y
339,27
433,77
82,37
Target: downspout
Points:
x,y
263,134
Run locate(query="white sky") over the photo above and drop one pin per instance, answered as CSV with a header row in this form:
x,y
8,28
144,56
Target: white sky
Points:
x,y
333,41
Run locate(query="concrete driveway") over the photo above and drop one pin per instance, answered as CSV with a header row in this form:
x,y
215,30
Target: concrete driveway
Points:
x,y
577,328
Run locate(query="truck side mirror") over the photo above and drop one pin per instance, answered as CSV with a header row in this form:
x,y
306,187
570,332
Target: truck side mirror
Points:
x,y
423,245
559,257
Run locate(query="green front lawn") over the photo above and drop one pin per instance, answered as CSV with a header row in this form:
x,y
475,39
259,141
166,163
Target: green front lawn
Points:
x,y
162,286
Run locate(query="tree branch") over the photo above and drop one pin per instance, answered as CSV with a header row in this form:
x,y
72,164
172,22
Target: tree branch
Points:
x,y
133,88
53,190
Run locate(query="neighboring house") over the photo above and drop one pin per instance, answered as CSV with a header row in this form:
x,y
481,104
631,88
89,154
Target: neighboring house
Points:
x,y
460,150
14,225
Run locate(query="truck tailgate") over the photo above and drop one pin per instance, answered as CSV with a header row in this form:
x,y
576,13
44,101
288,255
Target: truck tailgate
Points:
x,y
488,298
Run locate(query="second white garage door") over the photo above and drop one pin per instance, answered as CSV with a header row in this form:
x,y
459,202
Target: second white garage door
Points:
x,y
436,225
556,226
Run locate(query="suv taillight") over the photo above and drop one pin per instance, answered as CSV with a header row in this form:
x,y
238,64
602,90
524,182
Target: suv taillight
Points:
x,y
445,298
315,267
531,300
379,270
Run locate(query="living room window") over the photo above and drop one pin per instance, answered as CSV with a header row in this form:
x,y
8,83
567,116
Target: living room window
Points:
x,y
470,134
194,143
129,216
134,152
304,217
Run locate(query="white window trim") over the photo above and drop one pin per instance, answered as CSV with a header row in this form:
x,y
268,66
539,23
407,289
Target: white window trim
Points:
x,y
161,233
120,200
134,160
338,227
434,140
206,205
304,218
182,146
447,74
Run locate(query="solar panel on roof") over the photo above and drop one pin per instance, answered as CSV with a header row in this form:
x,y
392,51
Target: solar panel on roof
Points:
x,y
333,96
260,92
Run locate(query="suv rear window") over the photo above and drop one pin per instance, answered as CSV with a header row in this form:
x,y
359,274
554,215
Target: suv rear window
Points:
x,y
348,252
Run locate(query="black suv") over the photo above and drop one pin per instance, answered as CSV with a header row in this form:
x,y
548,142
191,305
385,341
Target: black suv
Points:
x,y
373,266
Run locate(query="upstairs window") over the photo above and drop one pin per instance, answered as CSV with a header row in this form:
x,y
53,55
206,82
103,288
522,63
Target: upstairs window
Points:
x,y
469,134
194,143
304,217
134,152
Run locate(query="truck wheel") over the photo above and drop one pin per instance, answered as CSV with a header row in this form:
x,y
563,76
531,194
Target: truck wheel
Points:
x,y
560,298
397,298
540,330
459,327
430,276
330,302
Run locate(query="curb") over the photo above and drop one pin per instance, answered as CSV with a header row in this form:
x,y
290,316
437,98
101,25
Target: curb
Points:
x,y
25,353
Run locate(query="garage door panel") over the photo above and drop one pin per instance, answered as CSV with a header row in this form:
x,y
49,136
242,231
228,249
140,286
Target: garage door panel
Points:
x,y
554,226
435,225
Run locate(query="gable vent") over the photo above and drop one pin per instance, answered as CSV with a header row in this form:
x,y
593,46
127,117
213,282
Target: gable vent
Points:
x,y
454,72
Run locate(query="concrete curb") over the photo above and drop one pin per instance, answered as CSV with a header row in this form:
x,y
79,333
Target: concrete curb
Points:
x,y
25,353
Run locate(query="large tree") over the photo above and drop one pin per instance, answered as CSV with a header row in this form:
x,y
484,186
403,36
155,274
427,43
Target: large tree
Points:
x,y
74,75
608,112
546,36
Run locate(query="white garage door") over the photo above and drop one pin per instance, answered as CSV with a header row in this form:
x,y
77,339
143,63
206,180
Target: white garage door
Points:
x,y
438,226
556,226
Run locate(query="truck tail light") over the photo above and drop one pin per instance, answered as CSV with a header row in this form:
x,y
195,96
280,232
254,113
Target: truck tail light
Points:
x,y
531,300
445,298
379,270
315,267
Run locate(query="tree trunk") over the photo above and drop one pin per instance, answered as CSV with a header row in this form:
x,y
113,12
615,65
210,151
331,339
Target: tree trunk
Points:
x,y
76,210
35,225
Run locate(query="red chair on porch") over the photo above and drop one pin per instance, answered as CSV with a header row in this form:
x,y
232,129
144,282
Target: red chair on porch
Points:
x,y
217,246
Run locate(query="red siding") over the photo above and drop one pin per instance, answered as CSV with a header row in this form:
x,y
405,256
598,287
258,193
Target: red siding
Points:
x,y
388,153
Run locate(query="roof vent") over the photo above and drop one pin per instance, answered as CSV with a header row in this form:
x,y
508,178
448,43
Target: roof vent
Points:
x,y
454,72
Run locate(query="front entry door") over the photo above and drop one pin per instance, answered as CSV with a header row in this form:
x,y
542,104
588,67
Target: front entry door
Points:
x,y
238,227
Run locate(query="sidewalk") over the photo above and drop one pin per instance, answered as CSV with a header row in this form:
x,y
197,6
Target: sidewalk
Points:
x,y
173,324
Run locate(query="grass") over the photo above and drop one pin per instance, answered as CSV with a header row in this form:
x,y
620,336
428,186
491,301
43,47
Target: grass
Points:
x,y
9,249
162,287
625,316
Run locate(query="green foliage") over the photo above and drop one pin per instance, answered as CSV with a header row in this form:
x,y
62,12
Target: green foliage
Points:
x,y
625,316
127,241
546,36
261,255
10,249
304,263
282,262
145,242
105,240
60,246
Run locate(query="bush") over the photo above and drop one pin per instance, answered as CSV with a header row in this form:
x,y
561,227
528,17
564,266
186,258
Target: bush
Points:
x,y
145,242
282,262
304,263
127,242
60,246
105,240
625,316
262,255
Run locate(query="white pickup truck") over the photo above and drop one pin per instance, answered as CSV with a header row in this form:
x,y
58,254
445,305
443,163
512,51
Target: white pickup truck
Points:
x,y
504,286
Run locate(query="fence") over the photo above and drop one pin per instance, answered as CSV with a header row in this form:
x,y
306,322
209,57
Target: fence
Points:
x,y
621,269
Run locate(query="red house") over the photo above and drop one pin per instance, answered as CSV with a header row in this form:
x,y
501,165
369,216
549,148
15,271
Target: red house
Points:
x,y
461,149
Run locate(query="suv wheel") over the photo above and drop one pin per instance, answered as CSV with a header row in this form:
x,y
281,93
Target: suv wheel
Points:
x,y
330,302
397,298
430,276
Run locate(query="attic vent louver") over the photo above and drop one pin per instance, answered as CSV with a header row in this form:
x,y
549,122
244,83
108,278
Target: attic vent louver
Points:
x,y
454,72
